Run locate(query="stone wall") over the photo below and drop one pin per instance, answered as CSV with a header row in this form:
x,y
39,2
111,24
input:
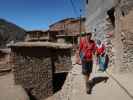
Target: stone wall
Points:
x,y
125,32
33,72
5,60
62,60
34,66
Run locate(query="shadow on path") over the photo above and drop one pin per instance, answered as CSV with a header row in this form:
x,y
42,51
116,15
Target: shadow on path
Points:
x,y
95,81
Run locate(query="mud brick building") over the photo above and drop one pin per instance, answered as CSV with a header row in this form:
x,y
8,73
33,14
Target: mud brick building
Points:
x,y
71,29
38,35
63,31
35,35
35,64
71,26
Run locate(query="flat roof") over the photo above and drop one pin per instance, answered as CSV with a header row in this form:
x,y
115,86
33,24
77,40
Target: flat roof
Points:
x,y
71,35
42,44
6,50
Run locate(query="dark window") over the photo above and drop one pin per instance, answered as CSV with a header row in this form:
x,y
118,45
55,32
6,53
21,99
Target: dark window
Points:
x,y
111,15
86,1
95,29
123,14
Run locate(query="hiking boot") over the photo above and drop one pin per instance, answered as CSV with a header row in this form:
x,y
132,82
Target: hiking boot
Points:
x,y
88,91
106,80
89,86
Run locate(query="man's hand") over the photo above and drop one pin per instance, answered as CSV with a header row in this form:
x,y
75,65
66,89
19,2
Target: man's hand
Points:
x,y
84,60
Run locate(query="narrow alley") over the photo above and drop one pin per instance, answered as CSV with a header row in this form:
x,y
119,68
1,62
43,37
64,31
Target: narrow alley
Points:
x,y
74,87
41,51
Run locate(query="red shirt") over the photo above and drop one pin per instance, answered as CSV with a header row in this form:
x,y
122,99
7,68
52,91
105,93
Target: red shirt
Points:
x,y
100,49
81,43
87,47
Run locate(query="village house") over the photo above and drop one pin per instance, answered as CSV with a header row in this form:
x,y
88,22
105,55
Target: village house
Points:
x,y
38,35
63,31
71,29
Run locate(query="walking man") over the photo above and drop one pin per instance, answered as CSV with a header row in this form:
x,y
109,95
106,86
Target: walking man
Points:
x,y
87,48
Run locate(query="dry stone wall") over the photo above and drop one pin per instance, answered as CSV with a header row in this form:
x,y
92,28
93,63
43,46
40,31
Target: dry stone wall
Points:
x,y
62,60
34,74
34,67
126,31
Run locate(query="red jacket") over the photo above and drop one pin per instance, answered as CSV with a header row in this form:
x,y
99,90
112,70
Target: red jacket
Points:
x,y
100,49
87,48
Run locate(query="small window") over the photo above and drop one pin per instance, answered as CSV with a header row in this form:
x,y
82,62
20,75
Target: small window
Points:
x,y
95,29
86,1
111,15
123,13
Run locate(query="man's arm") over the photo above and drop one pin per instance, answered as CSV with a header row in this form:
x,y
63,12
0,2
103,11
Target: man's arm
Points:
x,y
94,48
80,46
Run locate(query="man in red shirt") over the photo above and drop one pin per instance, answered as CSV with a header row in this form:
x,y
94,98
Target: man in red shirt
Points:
x,y
87,48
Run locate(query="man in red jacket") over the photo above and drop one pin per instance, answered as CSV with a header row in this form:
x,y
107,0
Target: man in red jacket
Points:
x,y
87,48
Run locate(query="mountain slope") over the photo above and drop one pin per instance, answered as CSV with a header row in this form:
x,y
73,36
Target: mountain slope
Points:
x,y
10,32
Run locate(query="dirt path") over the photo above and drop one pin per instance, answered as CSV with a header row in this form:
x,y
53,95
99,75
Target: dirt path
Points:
x,y
74,87
9,91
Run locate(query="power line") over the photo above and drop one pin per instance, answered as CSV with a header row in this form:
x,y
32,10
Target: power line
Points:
x,y
74,8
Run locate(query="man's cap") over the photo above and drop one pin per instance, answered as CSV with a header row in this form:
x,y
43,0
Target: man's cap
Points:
x,y
82,33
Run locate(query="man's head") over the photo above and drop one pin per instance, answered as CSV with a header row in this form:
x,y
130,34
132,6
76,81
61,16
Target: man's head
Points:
x,y
98,42
89,35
